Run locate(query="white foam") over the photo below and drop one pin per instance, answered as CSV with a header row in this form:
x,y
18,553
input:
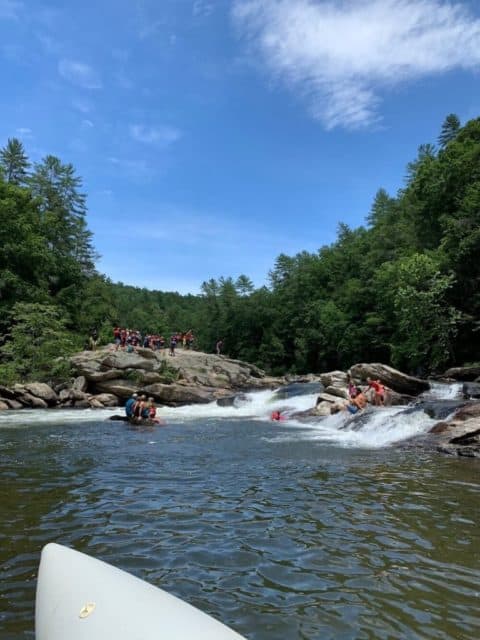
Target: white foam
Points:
x,y
373,428
443,391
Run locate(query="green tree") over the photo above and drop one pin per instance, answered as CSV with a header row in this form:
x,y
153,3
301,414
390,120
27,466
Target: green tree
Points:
x,y
14,162
37,344
426,323
450,128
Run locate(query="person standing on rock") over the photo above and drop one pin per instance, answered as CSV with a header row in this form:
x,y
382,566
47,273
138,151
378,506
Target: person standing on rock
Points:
x,y
378,392
173,344
219,347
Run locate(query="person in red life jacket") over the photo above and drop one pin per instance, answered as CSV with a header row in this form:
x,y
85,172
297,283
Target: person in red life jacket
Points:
x,y
152,412
378,392
277,415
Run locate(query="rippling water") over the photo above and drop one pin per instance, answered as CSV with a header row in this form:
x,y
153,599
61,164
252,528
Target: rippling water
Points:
x,y
274,532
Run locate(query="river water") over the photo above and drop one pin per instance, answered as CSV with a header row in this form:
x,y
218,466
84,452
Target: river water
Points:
x,y
332,530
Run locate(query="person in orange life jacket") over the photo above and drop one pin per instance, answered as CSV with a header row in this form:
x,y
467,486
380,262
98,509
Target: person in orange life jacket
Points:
x,y
357,403
378,390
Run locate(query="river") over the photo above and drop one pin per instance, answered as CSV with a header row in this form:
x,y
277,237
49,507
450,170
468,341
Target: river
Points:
x,y
334,530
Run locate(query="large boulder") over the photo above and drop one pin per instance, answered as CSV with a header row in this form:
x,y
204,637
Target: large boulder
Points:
x,y
392,378
106,399
124,360
3,405
32,401
460,435
336,379
462,374
178,394
42,391
123,389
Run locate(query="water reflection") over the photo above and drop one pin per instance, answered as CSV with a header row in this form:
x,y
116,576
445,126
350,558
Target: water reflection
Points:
x,y
278,539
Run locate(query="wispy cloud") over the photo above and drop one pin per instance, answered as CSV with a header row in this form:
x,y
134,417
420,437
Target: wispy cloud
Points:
x,y
202,8
10,9
339,56
162,136
79,74
24,132
84,106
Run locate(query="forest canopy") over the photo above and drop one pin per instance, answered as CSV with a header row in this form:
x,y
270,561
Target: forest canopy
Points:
x,y
402,289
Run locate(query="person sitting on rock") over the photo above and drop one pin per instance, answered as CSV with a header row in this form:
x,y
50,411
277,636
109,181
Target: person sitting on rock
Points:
x,y
356,404
139,406
130,404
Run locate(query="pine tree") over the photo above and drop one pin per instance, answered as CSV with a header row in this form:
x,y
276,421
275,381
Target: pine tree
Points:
x,y
14,162
450,128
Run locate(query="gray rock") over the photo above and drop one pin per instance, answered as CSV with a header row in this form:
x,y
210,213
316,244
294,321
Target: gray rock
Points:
x,y
471,390
122,389
13,404
392,378
5,392
107,400
42,391
176,394
3,405
80,384
32,401
340,392
463,373
334,379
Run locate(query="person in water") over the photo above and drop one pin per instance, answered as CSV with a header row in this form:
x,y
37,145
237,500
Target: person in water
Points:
x,y
130,404
378,392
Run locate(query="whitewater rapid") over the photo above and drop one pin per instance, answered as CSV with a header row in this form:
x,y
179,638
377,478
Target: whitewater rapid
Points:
x,y
373,428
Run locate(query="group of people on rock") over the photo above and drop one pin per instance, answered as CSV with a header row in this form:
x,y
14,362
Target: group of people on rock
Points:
x,y
375,393
140,408
130,339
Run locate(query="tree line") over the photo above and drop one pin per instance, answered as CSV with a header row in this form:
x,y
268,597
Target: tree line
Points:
x,y
402,289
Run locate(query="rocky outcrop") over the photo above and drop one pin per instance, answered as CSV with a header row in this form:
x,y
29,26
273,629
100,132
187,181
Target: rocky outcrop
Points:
x,y
189,377
396,380
463,374
460,435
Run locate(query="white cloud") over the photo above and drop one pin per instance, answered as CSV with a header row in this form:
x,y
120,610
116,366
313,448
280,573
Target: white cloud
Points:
x,y
25,132
162,136
79,74
87,124
338,56
10,9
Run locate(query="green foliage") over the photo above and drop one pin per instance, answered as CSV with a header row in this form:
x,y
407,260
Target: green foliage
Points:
x,y
37,344
14,162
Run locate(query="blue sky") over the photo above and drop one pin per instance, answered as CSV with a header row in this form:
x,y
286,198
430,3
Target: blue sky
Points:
x,y
214,135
